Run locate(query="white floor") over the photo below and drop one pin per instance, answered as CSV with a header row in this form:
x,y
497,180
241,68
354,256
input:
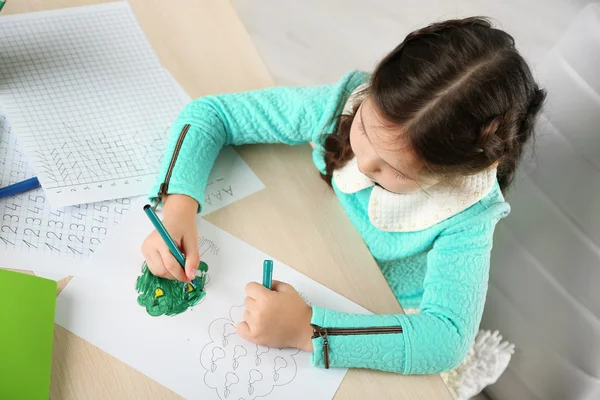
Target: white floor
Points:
x,y
315,41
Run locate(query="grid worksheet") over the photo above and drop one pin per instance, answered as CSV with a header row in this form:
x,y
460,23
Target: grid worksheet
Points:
x,y
34,235
89,100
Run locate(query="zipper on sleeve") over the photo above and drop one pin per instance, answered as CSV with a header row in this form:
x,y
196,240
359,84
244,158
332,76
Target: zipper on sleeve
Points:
x,y
319,332
164,187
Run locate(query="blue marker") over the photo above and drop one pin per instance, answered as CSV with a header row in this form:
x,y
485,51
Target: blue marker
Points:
x,y
17,188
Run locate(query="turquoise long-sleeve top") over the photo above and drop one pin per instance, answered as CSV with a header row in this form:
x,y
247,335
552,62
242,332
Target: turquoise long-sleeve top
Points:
x,y
443,269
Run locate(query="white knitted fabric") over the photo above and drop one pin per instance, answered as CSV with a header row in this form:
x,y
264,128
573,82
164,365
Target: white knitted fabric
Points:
x,y
486,361
393,212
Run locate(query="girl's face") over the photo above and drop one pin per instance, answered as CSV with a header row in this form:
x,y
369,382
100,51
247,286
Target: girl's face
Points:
x,y
383,154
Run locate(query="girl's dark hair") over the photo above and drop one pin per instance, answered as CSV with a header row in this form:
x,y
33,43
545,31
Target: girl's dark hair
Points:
x,y
462,94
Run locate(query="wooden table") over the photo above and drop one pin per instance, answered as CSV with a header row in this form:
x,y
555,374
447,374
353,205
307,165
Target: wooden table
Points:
x,y
296,219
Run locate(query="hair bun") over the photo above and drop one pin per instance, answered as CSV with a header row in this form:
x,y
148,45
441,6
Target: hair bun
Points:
x,y
491,141
533,109
536,101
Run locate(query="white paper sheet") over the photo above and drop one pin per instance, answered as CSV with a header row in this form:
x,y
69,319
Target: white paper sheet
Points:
x,y
35,236
89,99
196,354
230,180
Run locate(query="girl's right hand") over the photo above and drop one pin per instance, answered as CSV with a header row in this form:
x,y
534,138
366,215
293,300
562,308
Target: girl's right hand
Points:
x,y
179,218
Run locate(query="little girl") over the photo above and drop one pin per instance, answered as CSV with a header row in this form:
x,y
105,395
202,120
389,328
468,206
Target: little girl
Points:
x,y
419,154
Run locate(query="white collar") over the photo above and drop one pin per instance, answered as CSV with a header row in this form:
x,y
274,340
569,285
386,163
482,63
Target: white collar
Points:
x,y
393,212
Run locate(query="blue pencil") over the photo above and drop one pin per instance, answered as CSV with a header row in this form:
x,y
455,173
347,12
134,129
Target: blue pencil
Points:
x,y
29,184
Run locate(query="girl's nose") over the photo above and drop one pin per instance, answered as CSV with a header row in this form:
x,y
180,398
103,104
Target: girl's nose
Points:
x,y
369,166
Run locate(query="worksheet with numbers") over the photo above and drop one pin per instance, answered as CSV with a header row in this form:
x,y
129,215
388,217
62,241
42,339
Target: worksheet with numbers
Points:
x,y
35,236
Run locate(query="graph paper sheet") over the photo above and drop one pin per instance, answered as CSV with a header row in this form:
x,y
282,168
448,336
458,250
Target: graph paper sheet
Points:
x,y
35,236
89,100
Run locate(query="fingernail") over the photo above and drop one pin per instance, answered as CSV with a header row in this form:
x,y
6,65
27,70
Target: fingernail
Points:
x,y
192,274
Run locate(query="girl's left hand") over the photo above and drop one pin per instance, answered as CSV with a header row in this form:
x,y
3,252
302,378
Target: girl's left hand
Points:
x,y
277,317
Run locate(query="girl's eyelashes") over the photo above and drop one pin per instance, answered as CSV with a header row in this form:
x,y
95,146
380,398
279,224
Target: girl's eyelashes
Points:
x,y
361,128
398,175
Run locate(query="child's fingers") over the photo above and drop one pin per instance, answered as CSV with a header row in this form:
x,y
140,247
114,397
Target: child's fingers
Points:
x,y
257,291
243,330
172,265
250,319
279,286
156,266
250,304
192,257
151,256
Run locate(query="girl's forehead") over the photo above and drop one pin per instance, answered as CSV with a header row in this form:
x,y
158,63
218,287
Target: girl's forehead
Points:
x,y
377,125
390,141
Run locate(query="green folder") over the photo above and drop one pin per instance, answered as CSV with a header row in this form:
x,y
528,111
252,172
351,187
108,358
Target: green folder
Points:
x,y
27,306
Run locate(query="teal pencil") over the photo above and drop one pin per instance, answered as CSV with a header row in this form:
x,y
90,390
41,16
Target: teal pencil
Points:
x,y
2,3
162,231
268,274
